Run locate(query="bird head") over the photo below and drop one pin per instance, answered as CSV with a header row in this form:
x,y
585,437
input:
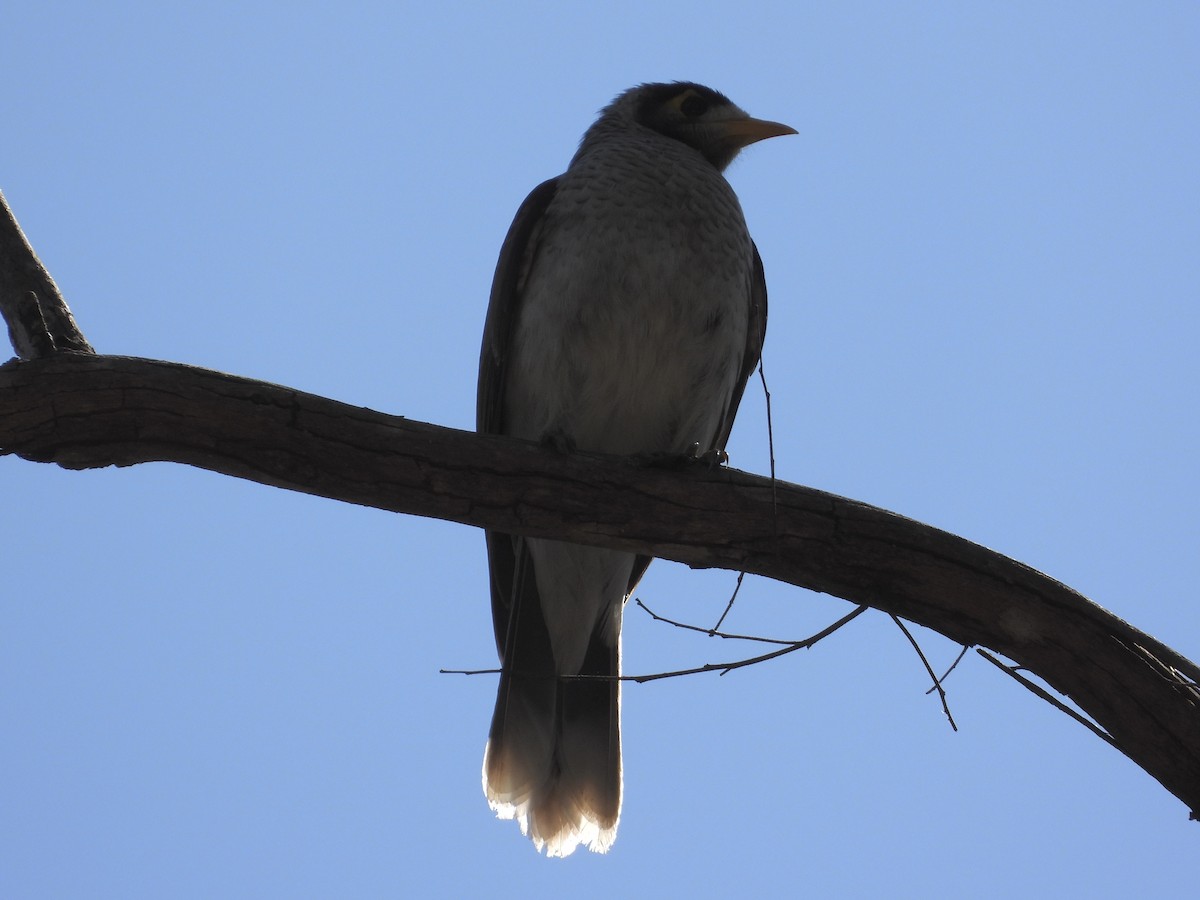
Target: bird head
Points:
x,y
704,119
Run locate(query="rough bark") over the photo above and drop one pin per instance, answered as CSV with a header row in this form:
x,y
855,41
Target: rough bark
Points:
x,y
80,410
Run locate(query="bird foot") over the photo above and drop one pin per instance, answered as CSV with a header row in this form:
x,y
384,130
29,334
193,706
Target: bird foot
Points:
x,y
714,458
693,455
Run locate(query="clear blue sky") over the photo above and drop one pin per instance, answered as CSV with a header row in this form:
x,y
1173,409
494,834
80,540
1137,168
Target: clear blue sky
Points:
x,y
982,252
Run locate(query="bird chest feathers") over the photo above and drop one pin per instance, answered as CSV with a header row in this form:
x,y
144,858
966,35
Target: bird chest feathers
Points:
x,y
634,305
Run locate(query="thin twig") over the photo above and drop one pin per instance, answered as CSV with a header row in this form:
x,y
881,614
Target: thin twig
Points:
x,y
953,666
728,606
738,664
708,667
1045,695
712,632
928,668
762,376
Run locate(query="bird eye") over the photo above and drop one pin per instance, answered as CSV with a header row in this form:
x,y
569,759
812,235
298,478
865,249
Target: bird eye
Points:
x,y
693,106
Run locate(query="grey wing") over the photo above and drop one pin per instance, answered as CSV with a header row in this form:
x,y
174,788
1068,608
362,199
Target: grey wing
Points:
x,y
516,257
755,335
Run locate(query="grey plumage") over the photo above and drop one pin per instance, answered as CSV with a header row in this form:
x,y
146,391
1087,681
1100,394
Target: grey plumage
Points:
x,y
627,312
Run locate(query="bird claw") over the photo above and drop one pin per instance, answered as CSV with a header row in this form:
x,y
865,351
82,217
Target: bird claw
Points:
x,y
691,456
714,458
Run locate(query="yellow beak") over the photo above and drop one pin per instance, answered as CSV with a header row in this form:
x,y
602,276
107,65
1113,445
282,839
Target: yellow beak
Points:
x,y
743,132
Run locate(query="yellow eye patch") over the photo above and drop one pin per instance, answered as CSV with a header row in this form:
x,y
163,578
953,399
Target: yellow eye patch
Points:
x,y
690,103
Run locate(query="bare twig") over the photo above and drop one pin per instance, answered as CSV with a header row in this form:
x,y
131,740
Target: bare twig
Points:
x,y
1014,671
711,632
728,606
953,666
723,668
928,668
762,376
726,667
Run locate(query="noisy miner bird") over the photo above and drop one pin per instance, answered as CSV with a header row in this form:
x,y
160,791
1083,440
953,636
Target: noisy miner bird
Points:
x,y
627,312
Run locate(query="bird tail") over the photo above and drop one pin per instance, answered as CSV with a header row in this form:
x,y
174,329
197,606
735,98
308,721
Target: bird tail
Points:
x,y
553,758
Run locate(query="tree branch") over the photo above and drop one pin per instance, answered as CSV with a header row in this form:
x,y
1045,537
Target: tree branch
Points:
x,y
85,411
39,321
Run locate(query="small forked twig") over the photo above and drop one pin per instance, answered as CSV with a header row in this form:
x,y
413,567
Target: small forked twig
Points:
x,y
723,668
728,606
953,666
928,668
711,632
788,647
